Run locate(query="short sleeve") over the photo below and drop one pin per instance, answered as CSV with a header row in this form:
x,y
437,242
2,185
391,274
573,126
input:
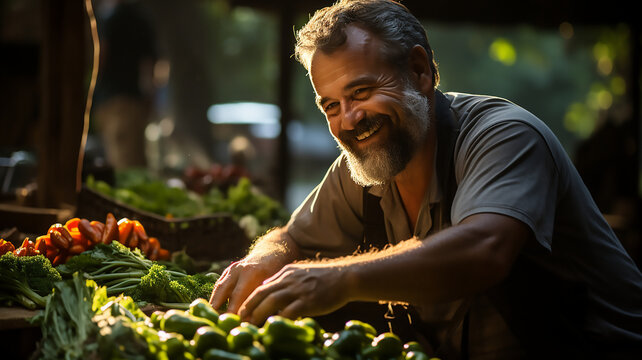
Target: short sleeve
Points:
x,y
329,222
506,167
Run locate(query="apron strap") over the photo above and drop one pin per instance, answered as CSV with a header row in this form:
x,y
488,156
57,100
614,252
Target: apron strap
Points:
x,y
403,319
374,227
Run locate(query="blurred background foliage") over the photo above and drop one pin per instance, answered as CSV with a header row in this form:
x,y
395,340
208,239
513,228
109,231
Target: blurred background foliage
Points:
x,y
576,77
568,76
573,77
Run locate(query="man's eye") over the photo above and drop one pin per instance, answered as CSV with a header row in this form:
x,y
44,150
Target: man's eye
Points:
x,y
361,93
330,106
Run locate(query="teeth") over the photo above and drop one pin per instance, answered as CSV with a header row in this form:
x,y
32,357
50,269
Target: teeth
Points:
x,y
369,132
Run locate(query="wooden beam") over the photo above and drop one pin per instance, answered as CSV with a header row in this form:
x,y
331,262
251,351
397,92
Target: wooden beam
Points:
x,y
286,44
63,73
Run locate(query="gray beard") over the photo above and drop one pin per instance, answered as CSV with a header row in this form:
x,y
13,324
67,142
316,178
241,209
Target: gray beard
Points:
x,y
378,165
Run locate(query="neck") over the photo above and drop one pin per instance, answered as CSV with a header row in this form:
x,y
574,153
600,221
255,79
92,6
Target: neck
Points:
x,y
415,178
414,181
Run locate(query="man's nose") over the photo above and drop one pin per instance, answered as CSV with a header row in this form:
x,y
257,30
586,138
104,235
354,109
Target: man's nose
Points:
x,y
351,115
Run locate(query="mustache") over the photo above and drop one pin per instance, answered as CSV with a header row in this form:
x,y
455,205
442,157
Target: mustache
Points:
x,y
348,136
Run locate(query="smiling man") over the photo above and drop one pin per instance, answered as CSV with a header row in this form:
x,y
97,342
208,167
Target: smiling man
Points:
x,y
464,207
377,144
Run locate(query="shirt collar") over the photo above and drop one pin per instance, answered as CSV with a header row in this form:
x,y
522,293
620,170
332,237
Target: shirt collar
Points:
x,y
390,199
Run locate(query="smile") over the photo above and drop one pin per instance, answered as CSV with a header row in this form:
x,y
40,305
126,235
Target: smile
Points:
x,y
373,129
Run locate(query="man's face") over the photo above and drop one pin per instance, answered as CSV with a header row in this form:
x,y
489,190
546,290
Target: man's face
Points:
x,y
378,119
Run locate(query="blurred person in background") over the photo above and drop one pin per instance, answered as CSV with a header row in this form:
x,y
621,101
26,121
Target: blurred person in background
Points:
x,y
123,100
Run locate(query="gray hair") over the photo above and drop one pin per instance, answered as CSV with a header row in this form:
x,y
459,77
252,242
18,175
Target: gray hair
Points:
x,y
389,20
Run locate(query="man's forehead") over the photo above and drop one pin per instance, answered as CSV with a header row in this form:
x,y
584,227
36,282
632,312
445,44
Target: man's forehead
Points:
x,y
361,47
359,42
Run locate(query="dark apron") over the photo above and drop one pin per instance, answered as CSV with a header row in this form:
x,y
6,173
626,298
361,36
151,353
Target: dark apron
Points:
x,y
404,320
542,310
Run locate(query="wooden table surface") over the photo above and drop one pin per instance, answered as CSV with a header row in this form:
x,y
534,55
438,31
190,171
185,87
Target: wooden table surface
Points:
x,y
15,317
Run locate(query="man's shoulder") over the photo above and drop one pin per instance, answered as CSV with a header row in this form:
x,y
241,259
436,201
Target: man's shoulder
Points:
x,y
465,104
475,113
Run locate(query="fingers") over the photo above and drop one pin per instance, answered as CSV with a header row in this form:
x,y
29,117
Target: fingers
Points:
x,y
236,283
295,310
276,294
266,299
263,302
292,292
243,289
223,288
277,275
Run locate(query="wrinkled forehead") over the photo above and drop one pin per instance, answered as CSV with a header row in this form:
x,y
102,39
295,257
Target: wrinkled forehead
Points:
x,y
362,51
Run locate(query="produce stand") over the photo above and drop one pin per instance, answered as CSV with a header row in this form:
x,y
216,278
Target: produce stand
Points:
x,y
212,237
207,237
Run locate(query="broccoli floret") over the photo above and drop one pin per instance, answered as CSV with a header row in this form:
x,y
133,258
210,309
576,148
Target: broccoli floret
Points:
x,y
179,293
200,285
152,284
41,274
157,286
26,279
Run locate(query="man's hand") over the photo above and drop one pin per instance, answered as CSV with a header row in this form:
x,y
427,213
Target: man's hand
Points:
x,y
459,261
298,290
239,280
236,283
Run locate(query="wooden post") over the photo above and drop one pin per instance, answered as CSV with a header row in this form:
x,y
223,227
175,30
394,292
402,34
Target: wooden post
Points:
x,y
286,47
63,93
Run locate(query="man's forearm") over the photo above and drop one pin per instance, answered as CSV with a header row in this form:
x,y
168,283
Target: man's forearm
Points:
x,y
454,263
266,256
276,242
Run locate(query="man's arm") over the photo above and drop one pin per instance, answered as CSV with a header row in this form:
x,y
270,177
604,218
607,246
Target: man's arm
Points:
x,y
459,261
266,256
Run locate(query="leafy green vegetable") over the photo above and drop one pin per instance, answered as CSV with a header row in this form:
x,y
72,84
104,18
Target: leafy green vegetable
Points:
x,y
81,322
105,259
67,329
122,338
151,195
26,280
241,200
122,270
244,200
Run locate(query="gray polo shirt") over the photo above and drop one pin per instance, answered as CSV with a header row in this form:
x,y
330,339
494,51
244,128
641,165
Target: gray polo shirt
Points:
x,y
506,161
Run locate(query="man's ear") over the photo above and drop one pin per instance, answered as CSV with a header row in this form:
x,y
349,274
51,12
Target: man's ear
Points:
x,y
420,69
